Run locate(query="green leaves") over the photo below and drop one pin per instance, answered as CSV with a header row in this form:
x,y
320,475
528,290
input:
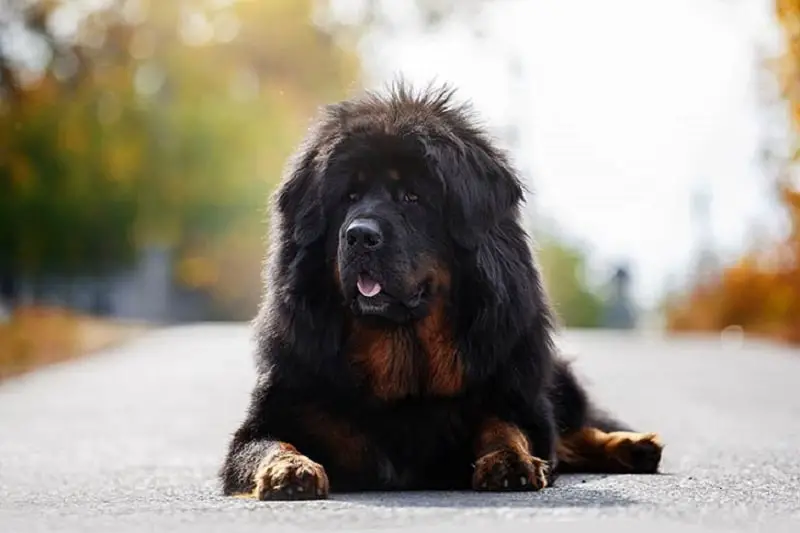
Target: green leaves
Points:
x,y
564,272
170,125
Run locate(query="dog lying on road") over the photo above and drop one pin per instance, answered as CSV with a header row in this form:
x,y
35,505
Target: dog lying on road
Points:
x,y
405,340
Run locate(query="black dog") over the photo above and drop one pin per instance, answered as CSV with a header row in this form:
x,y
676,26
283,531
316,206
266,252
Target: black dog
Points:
x,y
405,340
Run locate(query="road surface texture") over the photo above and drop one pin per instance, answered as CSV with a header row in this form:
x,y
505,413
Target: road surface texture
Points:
x,y
130,440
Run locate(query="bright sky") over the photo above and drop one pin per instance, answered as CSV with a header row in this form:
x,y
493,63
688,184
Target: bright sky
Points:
x,y
626,106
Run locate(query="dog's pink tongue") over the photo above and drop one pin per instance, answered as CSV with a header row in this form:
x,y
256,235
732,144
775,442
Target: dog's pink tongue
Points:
x,y
368,287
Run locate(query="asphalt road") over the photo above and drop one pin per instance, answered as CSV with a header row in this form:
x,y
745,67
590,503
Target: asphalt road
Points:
x,y
130,440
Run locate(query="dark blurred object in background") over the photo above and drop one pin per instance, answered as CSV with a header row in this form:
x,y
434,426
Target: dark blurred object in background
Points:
x,y
619,307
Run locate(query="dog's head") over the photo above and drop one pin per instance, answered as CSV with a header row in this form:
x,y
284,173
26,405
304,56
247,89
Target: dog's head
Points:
x,y
391,242
397,189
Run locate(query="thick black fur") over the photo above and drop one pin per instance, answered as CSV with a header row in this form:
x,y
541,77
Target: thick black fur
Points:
x,y
454,210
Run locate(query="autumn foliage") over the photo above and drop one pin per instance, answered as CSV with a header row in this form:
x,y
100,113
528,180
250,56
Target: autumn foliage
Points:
x,y
761,292
39,336
155,122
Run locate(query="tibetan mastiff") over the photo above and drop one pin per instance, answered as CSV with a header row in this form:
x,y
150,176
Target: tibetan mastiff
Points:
x,y
405,341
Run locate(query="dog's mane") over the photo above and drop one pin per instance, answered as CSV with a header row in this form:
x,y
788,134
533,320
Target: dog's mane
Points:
x,y
401,109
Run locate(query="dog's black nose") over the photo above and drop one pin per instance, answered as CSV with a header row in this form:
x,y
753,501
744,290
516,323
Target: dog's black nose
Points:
x,y
364,232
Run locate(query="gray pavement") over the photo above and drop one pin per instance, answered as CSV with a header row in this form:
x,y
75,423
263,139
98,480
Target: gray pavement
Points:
x,y
130,440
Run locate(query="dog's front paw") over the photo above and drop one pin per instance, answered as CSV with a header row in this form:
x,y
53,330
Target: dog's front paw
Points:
x,y
507,470
288,475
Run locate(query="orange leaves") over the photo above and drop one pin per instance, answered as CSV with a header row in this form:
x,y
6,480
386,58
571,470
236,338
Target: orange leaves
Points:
x,y
761,292
38,336
761,300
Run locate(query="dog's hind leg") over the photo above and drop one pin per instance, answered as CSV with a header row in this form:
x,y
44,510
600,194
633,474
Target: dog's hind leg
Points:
x,y
592,441
593,450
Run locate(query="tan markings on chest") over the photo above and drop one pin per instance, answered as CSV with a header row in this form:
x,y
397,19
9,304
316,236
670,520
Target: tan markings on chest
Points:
x,y
445,374
387,359
399,363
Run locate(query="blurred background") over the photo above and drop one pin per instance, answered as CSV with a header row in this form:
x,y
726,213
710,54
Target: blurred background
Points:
x,y
139,141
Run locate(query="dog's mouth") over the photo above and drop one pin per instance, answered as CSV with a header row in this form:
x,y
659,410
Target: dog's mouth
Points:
x,y
373,298
367,286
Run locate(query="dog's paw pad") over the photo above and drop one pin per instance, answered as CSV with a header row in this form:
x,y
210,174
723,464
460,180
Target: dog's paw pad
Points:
x,y
290,476
506,470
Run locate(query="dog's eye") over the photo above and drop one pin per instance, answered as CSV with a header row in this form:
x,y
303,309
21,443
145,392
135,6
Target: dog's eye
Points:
x,y
353,196
410,197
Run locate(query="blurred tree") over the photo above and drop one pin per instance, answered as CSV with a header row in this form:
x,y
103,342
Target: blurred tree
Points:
x,y
761,291
114,133
787,71
564,271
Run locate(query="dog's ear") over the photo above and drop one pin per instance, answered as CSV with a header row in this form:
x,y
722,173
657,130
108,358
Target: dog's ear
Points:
x,y
481,188
298,199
